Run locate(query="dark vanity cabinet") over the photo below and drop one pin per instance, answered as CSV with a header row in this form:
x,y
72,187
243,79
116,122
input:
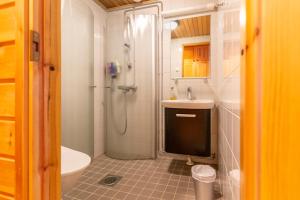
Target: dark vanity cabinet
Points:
x,y
188,131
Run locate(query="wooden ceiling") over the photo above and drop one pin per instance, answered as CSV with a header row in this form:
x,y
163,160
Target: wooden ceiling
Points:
x,y
116,3
192,27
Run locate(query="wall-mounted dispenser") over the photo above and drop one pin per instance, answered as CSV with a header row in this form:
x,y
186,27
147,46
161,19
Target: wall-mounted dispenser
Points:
x,y
113,69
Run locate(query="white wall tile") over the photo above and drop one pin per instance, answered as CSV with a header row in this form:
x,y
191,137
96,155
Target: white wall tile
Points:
x,y
236,138
228,92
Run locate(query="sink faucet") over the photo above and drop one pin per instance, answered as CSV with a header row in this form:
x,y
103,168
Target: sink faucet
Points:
x,y
189,93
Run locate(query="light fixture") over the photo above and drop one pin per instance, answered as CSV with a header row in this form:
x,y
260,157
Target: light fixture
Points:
x,y
137,1
172,25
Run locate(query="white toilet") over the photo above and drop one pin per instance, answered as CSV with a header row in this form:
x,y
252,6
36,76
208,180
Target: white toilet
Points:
x,y
73,164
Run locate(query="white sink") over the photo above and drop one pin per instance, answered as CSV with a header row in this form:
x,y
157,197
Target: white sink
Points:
x,y
189,104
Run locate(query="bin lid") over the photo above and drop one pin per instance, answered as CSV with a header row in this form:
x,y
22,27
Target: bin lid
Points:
x,y
204,173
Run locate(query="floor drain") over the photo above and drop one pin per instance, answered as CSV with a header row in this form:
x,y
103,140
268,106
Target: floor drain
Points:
x,y
110,180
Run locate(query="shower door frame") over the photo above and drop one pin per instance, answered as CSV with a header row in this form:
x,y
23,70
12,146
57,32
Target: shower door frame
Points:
x,y
157,69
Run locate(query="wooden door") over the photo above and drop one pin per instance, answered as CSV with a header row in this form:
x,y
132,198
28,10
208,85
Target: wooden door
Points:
x,y
14,131
29,100
271,100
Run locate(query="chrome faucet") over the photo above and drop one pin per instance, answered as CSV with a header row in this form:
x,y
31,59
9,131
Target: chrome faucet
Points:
x,y
189,93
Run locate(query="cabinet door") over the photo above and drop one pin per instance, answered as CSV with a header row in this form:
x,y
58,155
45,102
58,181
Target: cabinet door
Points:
x,y
187,131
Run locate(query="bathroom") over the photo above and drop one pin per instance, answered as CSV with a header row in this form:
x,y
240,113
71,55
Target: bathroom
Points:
x,y
135,66
149,99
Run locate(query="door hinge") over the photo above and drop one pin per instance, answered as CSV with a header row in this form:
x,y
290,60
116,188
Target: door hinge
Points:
x,y
35,46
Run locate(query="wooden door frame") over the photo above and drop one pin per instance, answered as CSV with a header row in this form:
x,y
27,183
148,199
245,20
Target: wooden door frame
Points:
x,y
21,100
254,184
250,101
44,103
52,95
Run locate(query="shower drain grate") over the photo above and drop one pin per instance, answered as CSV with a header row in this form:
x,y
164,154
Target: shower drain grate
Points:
x,y
110,180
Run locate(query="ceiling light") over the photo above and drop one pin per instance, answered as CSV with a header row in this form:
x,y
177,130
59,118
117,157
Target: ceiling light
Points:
x,y
171,25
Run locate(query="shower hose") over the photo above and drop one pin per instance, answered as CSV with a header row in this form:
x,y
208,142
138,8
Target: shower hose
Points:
x,y
122,132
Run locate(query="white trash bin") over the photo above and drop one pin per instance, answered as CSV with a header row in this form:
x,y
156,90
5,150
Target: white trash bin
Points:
x,y
204,176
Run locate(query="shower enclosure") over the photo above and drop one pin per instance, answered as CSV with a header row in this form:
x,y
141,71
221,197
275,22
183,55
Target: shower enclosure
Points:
x,y
132,41
77,76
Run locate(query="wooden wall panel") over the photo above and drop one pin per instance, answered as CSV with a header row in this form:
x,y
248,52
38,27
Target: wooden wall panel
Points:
x,y
8,61
5,2
192,27
5,197
7,176
7,100
8,23
7,138
116,3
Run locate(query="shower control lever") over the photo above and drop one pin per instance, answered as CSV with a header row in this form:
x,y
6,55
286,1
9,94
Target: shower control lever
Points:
x,y
125,88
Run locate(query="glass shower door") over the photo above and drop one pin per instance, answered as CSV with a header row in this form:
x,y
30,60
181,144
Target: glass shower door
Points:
x,y
130,117
77,76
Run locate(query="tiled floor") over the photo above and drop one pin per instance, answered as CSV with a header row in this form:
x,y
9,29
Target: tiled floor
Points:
x,y
162,178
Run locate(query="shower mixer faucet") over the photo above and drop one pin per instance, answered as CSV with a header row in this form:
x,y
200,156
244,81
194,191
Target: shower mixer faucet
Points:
x,y
127,45
126,89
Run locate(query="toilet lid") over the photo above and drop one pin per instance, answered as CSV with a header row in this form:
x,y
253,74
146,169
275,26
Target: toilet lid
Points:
x,y
73,161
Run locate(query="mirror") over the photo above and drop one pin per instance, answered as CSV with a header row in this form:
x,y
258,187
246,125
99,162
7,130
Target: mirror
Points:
x,y
189,46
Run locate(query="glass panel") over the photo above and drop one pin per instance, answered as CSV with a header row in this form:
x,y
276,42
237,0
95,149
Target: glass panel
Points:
x,y
77,76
